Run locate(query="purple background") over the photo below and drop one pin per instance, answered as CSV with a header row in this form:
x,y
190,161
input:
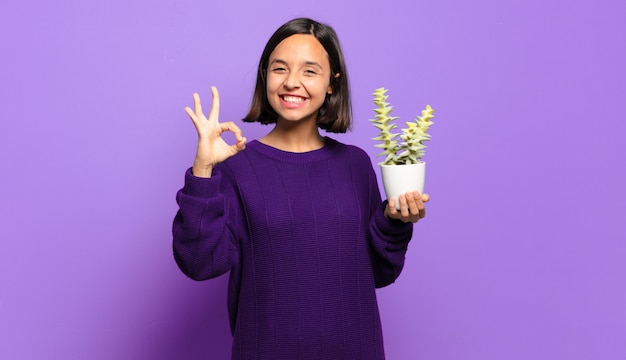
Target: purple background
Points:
x,y
522,255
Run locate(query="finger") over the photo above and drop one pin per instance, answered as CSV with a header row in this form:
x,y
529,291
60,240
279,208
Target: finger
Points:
x,y
413,202
197,105
391,207
425,198
404,207
420,207
193,117
190,112
418,200
232,127
241,145
215,105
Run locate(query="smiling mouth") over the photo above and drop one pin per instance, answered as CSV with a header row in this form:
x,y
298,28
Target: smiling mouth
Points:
x,y
293,99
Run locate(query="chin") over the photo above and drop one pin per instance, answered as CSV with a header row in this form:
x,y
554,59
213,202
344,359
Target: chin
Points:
x,y
297,118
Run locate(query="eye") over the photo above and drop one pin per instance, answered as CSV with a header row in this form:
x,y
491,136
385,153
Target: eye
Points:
x,y
310,72
278,69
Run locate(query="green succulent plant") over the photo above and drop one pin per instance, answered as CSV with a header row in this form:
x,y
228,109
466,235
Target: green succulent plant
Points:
x,y
402,148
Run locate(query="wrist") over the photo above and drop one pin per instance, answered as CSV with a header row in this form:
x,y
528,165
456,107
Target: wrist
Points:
x,y
201,171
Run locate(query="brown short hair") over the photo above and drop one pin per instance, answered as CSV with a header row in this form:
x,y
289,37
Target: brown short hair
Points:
x,y
336,112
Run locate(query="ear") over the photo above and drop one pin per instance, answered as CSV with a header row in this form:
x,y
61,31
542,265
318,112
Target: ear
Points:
x,y
330,88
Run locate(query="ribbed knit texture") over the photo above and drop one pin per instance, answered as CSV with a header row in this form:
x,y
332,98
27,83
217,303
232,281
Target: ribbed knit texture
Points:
x,y
306,242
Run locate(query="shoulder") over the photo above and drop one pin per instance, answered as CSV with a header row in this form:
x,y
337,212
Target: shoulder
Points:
x,y
352,151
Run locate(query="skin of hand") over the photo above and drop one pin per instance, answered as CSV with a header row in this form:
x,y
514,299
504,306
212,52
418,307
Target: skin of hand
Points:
x,y
412,207
212,149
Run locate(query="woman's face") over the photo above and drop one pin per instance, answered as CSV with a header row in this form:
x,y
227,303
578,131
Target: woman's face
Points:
x,y
298,78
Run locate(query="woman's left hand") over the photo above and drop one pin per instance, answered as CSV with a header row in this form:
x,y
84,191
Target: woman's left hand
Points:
x,y
412,207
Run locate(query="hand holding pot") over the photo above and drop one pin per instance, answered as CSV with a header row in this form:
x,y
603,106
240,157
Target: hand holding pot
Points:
x,y
412,207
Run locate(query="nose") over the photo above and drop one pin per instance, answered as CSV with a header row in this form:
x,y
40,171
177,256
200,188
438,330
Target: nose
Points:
x,y
292,80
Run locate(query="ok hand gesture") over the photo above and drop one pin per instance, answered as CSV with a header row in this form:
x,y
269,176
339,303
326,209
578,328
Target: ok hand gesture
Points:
x,y
212,149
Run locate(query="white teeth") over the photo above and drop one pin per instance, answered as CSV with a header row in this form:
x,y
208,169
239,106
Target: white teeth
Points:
x,y
293,99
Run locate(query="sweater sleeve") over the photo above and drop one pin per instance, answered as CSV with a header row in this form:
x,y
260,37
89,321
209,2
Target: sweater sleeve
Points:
x,y
389,238
204,247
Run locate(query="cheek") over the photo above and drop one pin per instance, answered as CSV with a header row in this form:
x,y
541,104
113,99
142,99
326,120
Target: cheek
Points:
x,y
273,84
317,87
274,79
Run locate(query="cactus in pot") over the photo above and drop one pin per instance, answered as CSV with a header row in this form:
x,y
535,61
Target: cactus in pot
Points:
x,y
402,169
410,149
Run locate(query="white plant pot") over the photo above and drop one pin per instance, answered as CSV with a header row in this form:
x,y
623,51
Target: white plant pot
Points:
x,y
399,179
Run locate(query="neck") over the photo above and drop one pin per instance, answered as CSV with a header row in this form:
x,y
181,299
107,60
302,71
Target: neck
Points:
x,y
294,137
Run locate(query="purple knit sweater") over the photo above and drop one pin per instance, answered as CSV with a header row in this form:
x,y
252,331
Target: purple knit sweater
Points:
x,y
306,243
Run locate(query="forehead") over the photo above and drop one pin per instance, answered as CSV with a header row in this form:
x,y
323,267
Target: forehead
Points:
x,y
300,48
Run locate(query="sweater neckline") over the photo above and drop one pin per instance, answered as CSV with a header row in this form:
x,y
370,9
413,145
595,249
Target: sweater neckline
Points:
x,y
294,157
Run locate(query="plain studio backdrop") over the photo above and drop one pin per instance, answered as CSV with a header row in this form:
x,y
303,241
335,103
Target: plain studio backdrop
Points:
x,y
522,254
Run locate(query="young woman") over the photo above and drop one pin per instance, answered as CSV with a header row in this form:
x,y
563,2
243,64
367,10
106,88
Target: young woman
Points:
x,y
295,217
